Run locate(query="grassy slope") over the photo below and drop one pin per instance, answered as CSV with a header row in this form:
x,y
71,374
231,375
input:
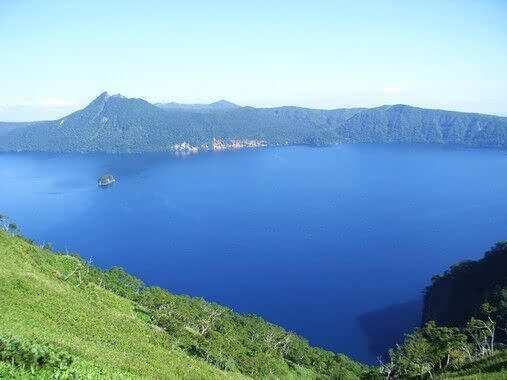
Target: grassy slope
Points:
x,y
491,368
91,323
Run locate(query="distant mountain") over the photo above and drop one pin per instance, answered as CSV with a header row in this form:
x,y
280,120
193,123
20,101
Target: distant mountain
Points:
x,y
221,105
216,106
119,124
401,124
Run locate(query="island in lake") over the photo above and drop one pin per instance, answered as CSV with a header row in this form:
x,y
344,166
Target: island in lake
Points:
x,y
106,180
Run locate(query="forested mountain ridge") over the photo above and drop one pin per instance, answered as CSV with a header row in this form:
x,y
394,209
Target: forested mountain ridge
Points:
x,y
405,124
119,124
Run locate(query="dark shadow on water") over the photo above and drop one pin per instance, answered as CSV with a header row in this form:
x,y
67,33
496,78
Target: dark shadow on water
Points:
x,y
386,327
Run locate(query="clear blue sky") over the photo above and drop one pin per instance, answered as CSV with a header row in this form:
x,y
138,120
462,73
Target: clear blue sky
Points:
x,y
58,55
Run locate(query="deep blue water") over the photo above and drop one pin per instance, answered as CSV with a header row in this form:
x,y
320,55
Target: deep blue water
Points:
x,y
308,238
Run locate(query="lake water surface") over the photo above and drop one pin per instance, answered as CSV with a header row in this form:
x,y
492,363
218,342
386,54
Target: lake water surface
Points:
x,y
312,239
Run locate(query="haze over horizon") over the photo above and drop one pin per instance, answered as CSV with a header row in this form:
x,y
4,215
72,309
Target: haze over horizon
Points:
x,y
322,55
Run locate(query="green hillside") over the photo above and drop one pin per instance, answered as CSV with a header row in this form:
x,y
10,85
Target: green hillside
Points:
x,y
111,326
489,368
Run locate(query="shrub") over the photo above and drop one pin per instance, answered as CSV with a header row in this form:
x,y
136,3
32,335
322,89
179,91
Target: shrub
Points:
x,y
30,355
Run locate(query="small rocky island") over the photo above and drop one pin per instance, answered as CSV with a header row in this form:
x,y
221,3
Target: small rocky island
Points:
x,y
106,180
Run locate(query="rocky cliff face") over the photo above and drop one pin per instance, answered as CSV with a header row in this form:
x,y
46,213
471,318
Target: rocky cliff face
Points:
x,y
456,296
237,144
217,145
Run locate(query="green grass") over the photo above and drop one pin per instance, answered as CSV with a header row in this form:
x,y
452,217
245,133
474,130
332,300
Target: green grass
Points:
x,y
88,321
81,369
490,368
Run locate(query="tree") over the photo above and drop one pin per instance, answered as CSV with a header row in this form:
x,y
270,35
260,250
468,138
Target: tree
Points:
x,y
123,283
428,350
483,332
387,368
414,358
206,322
12,228
3,221
449,344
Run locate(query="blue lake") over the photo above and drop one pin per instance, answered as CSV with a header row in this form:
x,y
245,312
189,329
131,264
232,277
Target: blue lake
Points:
x,y
308,238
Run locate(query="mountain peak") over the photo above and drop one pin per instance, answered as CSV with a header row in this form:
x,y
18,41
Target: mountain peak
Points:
x,y
400,106
222,103
103,95
103,99
99,100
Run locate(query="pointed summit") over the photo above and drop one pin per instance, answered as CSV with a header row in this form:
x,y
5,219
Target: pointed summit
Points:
x,y
223,104
96,105
101,99
103,96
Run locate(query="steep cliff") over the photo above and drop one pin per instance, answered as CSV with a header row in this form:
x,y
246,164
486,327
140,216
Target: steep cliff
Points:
x,y
458,294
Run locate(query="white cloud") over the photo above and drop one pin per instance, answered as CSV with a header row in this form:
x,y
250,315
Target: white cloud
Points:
x,y
55,102
16,104
392,90
44,103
